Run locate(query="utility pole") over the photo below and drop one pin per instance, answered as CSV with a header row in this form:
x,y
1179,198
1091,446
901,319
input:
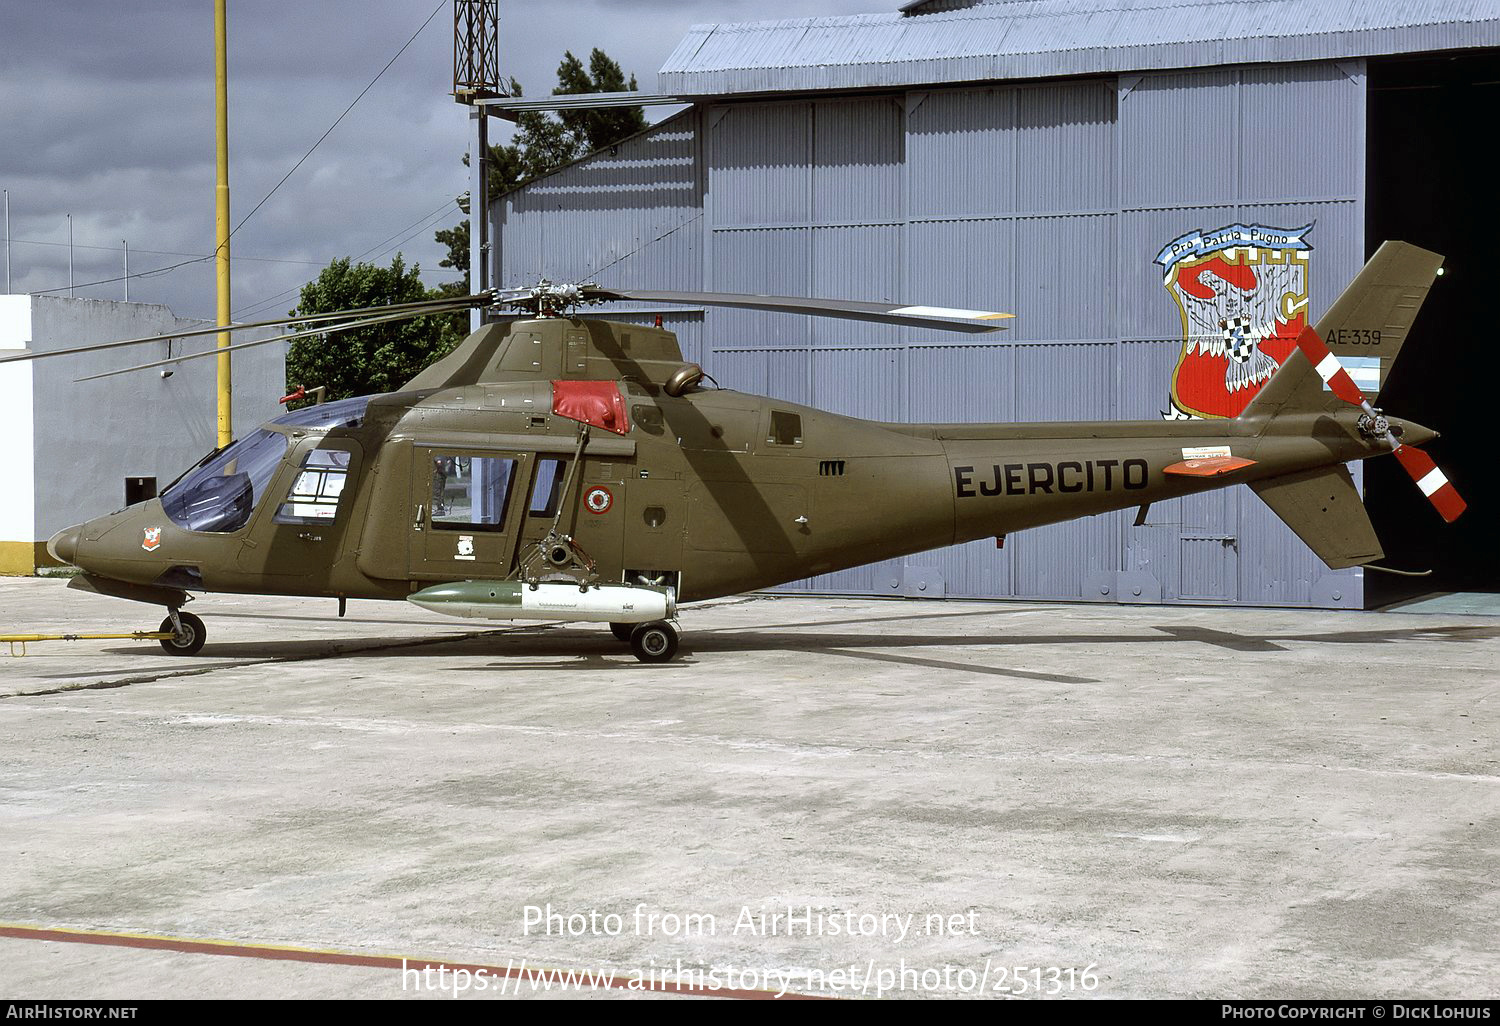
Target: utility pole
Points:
x,y
126,244
70,256
7,242
221,220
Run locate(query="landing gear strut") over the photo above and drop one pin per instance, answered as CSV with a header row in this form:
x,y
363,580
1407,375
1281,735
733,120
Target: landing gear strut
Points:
x,y
188,633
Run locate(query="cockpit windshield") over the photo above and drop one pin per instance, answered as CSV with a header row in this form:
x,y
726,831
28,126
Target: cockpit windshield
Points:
x,y
219,494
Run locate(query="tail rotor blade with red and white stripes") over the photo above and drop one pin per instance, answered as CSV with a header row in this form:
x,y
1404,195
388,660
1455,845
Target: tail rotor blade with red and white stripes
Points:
x,y
1328,367
1432,481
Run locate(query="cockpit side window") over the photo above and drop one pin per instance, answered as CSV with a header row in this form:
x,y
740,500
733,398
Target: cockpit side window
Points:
x,y
470,493
315,494
218,496
546,488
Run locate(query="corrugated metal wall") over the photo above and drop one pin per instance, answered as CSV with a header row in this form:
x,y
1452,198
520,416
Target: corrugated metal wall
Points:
x,y
630,216
1048,199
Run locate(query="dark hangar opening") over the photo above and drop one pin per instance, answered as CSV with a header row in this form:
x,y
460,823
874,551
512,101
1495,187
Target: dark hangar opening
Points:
x,y
1430,182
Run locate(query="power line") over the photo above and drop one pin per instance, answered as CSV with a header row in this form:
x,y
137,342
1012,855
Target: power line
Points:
x,y
430,215
168,252
200,259
426,227
288,292
325,135
121,277
426,221
262,304
592,274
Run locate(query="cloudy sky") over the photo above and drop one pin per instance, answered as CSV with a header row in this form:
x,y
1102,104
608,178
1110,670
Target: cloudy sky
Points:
x,y
107,115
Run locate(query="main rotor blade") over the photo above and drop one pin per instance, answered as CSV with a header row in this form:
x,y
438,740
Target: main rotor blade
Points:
x,y
416,309
971,321
325,330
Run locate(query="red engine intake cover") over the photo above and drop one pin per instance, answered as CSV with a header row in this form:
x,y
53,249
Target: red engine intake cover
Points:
x,y
596,403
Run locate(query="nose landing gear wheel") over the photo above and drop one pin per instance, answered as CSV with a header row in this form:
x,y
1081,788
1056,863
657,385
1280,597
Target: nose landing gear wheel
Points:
x,y
187,641
654,642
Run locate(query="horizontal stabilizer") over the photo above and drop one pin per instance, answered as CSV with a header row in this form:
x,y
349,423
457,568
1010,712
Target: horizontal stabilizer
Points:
x,y
1324,509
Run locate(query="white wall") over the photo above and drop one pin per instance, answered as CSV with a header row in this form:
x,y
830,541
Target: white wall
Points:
x,y
91,435
17,477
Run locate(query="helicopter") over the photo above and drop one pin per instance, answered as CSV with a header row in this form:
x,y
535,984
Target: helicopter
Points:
x,y
562,468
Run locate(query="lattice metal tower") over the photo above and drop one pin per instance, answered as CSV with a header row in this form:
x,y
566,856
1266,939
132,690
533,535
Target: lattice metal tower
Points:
x,y
476,50
476,77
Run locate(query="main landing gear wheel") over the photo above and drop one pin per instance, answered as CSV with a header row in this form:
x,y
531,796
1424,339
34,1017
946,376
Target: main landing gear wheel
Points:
x,y
187,641
654,642
622,631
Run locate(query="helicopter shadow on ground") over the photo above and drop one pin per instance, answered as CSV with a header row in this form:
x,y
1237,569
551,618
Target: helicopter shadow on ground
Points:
x,y
560,648
593,651
562,641
228,655
862,646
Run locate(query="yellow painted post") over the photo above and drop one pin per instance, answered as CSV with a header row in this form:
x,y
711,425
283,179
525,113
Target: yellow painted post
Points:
x,y
221,220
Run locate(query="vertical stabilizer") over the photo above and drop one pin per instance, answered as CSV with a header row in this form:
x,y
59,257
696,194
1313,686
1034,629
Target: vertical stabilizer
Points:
x,y
1368,322
1364,329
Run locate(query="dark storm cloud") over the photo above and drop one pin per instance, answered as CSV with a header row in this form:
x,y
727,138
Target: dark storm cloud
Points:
x,y
108,115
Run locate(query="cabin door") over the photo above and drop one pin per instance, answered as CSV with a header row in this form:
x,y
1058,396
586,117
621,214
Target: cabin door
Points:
x,y
469,505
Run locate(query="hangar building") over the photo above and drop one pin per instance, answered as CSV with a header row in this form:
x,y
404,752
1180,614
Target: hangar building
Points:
x,y
1069,161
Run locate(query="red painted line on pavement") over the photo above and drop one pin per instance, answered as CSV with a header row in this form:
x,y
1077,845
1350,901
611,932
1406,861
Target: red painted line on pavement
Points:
x,y
583,979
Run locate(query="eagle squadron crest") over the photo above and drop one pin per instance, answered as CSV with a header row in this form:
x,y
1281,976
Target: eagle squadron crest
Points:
x,y
1241,291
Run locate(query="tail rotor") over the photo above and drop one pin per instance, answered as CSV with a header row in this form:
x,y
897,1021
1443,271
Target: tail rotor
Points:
x,y
1418,465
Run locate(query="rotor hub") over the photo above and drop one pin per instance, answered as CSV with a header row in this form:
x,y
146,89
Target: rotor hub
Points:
x,y
1374,425
554,299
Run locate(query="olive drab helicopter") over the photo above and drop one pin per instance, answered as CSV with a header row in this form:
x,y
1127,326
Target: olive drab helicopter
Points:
x,y
561,468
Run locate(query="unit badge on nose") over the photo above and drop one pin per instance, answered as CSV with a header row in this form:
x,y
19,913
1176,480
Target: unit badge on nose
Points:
x,y
152,540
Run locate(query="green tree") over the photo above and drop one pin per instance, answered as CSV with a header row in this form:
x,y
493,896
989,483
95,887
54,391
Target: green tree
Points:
x,y
596,129
457,241
379,358
543,142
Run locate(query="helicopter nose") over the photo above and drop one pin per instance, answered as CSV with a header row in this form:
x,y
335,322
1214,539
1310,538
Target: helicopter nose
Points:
x,y
64,545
